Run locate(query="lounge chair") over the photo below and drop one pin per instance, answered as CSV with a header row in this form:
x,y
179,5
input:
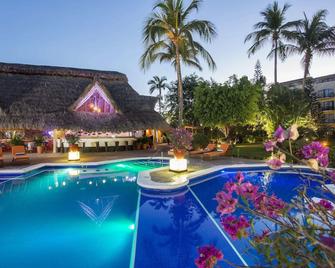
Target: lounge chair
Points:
x,y
210,148
19,153
223,150
1,157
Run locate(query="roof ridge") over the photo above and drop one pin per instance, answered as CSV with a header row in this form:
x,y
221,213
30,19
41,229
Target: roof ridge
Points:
x,y
29,69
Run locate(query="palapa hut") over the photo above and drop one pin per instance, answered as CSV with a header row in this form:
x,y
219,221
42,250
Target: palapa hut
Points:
x,y
56,98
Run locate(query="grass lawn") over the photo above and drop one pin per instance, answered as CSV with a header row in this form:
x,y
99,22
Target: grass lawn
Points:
x,y
249,151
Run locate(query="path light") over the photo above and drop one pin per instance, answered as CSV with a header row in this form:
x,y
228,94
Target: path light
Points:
x,y
178,165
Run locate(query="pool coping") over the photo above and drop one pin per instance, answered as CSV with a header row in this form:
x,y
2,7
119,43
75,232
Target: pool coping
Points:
x,y
144,177
24,170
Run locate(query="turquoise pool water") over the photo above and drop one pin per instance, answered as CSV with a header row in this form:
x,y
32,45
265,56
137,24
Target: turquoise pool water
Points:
x,y
71,217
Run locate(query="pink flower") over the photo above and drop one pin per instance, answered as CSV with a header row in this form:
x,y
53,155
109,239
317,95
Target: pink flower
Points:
x,y
230,186
270,206
326,205
227,204
208,257
317,151
269,145
328,241
276,162
239,177
247,190
279,134
332,175
235,227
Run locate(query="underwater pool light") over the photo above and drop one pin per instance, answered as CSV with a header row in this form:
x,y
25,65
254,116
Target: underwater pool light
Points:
x,y
131,227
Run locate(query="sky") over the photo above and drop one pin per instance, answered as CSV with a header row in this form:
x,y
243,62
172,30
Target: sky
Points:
x,y
107,35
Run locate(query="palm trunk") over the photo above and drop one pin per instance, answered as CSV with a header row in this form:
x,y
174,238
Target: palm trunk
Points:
x,y
180,88
160,101
276,59
308,59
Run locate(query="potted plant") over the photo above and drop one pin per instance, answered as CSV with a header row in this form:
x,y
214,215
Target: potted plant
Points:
x,y
16,140
181,140
39,140
72,140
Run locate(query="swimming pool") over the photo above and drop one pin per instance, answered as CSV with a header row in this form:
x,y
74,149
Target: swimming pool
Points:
x,y
98,217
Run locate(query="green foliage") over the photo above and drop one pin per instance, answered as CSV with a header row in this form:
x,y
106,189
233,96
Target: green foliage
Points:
x,y
16,140
259,78
284,106
200,140
190,83
72,138
39,140
233,103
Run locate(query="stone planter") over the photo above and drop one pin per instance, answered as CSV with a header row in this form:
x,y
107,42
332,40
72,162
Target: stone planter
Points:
x,y
179,153
39,149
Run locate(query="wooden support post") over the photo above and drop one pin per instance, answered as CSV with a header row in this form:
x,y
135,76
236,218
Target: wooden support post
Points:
x,y
54,141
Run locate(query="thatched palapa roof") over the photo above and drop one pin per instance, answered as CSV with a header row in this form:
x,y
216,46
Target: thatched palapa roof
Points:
x,y
42,97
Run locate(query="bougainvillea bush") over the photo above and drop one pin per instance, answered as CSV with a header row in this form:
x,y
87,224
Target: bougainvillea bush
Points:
x,y
299,233
181,139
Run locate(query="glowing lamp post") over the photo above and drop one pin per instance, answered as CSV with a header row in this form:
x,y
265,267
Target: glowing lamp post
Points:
x,y
181,140
74,154
178,165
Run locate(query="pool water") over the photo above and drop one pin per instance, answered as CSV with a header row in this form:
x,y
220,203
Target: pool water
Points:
x,y
97,217
71,217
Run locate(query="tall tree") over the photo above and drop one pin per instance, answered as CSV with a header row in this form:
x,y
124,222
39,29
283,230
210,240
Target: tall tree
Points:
x,y
273,28
159,84
190,83
169,37
313,37
234,103
259,78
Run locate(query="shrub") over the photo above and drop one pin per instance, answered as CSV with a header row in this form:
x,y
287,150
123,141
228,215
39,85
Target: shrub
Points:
x,y
16,140
200,140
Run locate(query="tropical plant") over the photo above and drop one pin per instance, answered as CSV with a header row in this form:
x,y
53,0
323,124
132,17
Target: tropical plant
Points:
x,y
297,232
313,37
16,140
39,140
169,37
190,83
225,105
72,138
158,83
181,139
284,106
275,29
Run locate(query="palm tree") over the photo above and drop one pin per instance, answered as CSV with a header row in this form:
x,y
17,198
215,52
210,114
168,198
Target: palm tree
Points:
x,y
313,37
273,28
158,83
169,37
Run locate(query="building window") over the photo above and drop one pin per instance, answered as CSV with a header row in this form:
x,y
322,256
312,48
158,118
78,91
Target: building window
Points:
x,y
329,118
326,93
327,105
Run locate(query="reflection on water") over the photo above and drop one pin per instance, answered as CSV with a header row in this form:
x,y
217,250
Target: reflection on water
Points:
x,y
99,209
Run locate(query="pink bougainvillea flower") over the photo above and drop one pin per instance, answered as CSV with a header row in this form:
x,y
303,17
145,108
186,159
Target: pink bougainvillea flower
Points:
x,y
208,257
247,190
270,145
230,186
276,162
317,151
325,204
227,204
239,177
235,226
293,133
270,206
280,134
328,241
